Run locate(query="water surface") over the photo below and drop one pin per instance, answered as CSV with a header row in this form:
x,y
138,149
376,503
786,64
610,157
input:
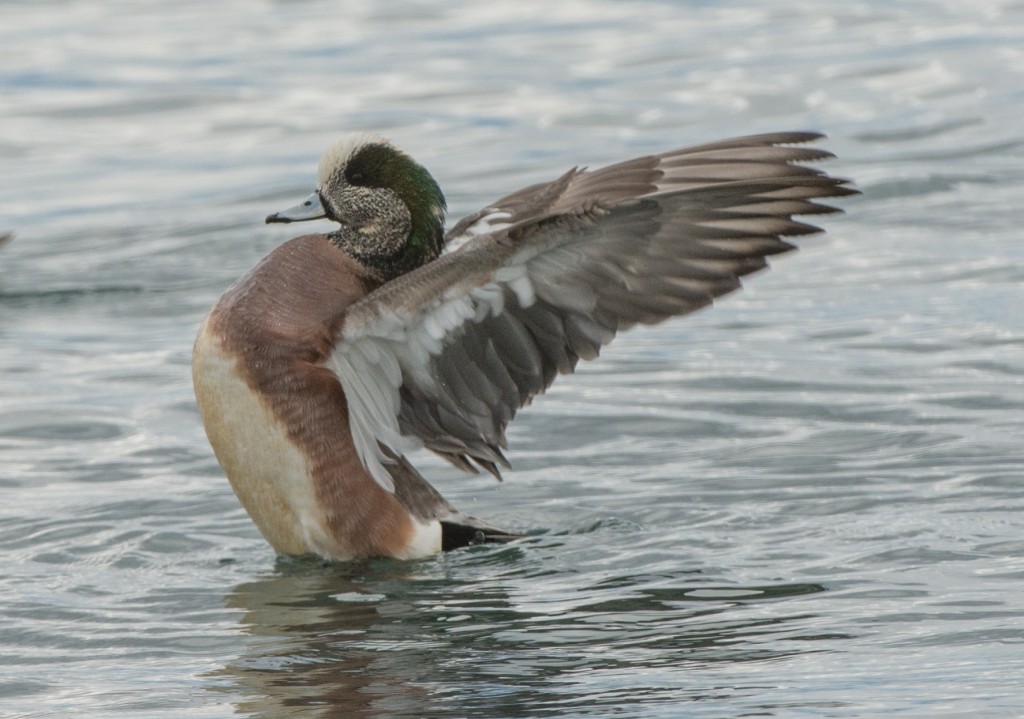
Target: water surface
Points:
x,y
804,502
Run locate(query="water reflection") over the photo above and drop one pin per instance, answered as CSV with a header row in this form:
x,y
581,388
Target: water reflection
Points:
x,y
321,638
466,636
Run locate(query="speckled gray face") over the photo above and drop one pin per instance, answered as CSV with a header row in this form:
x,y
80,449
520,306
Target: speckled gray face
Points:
x,y
374,220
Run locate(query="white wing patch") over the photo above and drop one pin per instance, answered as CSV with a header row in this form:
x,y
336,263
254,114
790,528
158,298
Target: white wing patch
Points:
x,y
515,277
493,221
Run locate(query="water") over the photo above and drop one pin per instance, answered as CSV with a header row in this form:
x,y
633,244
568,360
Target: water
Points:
x,y
805,502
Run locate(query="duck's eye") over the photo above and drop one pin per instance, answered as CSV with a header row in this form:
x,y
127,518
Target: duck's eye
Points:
x,y
368,166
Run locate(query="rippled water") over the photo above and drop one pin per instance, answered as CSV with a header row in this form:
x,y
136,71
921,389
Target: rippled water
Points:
x,y
805,502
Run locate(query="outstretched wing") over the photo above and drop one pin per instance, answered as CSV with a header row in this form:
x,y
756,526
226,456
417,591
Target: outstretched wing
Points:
x,y
444,356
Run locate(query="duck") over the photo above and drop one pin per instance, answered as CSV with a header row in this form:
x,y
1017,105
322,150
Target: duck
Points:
x,y
320,371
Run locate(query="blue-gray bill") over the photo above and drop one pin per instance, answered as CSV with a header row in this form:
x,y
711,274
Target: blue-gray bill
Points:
x,y
309,209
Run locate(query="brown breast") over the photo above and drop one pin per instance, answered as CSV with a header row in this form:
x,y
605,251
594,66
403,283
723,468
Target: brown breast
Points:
x,y
279,322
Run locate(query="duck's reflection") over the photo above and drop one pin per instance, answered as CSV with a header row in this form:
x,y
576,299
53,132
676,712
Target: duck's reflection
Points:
x,y
399,639
325,642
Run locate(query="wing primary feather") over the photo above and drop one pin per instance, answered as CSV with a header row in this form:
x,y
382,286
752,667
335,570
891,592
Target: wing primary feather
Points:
x,y
549,274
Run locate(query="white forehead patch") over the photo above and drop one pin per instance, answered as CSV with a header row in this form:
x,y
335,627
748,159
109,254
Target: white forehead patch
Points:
x,y
341,152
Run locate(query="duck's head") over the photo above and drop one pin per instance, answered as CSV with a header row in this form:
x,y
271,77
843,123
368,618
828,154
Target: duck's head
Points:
x,y
390,209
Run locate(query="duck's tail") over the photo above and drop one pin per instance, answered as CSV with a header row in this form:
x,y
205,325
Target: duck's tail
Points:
x,y
467,531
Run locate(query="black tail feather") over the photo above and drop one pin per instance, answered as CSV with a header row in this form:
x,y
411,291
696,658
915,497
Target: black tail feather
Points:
x,y
455,535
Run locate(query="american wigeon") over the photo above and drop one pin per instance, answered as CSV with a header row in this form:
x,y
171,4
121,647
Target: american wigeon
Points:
x,y
338,354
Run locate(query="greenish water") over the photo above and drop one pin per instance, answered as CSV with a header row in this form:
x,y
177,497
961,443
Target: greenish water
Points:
x,y
805,502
